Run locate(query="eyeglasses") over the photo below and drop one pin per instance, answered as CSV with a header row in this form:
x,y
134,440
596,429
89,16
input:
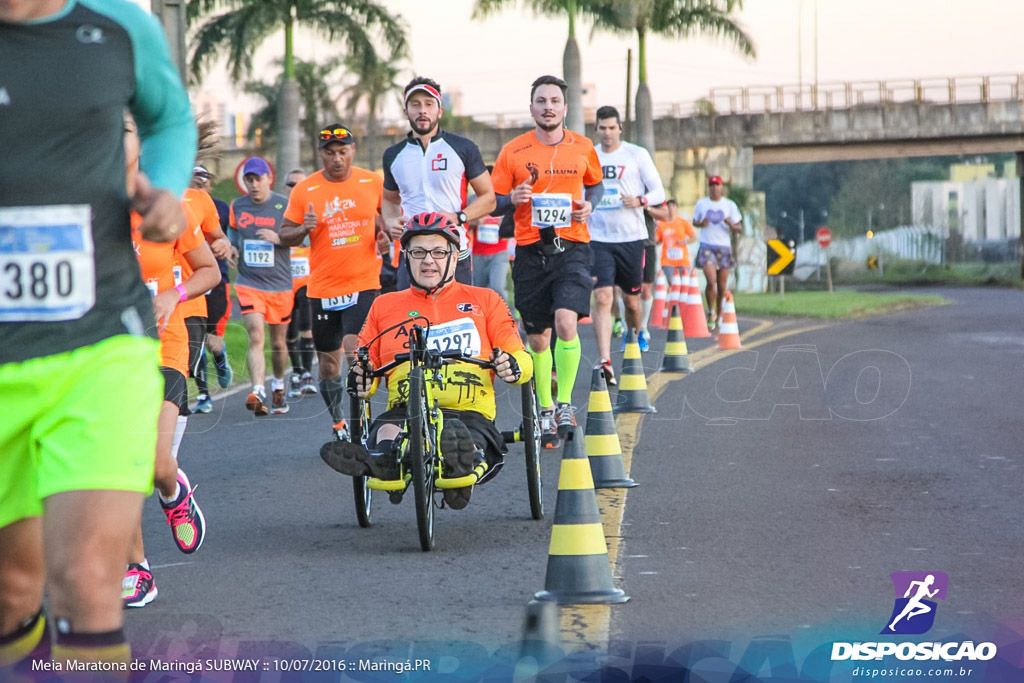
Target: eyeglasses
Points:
x,y
290,184
336,133
418,254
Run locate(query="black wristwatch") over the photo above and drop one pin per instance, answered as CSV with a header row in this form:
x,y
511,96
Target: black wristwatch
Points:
x,y
461,218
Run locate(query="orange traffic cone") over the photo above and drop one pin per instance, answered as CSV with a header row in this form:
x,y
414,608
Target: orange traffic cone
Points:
x,y
728,330
695,324
579,570
659,310
675,358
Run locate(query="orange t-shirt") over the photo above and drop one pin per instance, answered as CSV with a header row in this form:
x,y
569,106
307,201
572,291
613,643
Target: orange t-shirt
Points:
x,y
193,308
156,261
475,319
551,169
672,236
300,267
203,207
343,254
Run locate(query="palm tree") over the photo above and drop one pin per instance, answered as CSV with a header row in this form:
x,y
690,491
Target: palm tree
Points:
x,y
243,25
571,55
376,79
672,18
318,108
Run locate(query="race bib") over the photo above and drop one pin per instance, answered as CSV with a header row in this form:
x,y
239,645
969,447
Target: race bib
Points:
x,y
340,303
674,254
458,334
300,266
177,275
611,199
258,253
487,233
153,286
47,272
552,210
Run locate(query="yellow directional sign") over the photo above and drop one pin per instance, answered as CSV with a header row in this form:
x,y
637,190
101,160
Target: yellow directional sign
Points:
x,y
780,258
873,262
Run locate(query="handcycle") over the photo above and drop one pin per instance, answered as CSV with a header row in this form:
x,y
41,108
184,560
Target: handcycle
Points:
x,y
420,461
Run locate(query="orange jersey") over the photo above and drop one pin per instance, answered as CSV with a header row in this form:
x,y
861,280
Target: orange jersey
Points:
x,y
343,254
475,319
554,171
193,308
203,207
156,261
300,268
673,236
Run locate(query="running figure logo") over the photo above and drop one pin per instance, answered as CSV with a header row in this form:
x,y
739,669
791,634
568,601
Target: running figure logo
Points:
x,y
534,172
914,612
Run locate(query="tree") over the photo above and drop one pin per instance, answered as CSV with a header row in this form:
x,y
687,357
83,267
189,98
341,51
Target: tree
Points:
x,y
672,18
571,70
242,25
376,78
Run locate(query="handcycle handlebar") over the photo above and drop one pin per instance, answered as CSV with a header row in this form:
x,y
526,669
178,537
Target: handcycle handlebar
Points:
x,y
456,355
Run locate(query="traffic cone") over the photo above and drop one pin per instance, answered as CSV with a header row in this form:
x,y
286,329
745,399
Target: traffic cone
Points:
x,y
728,330
695,325
579,571
659,308
632,396
675,358
542,634
602,439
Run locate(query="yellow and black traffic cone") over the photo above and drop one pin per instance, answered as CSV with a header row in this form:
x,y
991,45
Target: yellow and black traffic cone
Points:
x,y
676,358
542,637
632,396
602,439
579,571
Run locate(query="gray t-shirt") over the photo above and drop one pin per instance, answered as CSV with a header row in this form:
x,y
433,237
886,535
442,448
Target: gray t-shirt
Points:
x,y
261,264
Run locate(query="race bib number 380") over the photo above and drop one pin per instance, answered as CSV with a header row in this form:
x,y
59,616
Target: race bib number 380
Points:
x,y
552,210
47,271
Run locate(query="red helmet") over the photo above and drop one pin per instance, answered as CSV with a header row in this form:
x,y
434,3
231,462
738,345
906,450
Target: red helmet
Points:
x,y
430,223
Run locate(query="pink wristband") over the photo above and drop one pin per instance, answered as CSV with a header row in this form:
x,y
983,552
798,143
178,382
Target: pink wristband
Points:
x,y
184,294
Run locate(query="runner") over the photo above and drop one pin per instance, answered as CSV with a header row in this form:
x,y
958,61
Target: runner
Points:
x,y
552,177
264,283
618,233
675,234
474,319
718,217
337,209
429,171
490,254
218,299
156,261
300,329
80,387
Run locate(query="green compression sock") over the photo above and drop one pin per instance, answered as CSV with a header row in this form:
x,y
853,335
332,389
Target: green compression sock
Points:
x,y
567,363
542,373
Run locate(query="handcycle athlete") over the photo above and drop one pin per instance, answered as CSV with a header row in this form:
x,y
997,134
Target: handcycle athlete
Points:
x,y
474,320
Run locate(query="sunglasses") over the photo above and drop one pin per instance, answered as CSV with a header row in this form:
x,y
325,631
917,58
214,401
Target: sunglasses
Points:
x,y
338,133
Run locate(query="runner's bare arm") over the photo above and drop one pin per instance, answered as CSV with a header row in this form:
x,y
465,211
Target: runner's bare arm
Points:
x,y
293,233
391,211
485,201
163,219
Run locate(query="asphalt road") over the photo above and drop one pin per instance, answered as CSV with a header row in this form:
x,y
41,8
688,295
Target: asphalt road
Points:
x,y
779,488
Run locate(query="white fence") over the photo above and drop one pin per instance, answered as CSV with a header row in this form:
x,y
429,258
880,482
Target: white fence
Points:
x,y
913,243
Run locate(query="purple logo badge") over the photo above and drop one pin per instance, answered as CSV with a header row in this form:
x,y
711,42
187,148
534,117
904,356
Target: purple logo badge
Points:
x,y
914,610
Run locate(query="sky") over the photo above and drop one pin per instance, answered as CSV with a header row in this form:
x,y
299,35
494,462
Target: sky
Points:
x,y
493,61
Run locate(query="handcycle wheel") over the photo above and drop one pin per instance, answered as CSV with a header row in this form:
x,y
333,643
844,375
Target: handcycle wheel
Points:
x,y
420,462
531,440
360,485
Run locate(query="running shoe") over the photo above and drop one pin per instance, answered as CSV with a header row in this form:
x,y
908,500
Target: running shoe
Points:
x,y
618,328
458,454
204,404
605,366
355,461
643,340
256,402
138,588
294,386
185,518
712,321
308,385
548,429
279,405
566,415
341,432
224,373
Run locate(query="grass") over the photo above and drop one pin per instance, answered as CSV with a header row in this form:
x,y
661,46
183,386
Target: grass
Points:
x,y
839,304
1007,274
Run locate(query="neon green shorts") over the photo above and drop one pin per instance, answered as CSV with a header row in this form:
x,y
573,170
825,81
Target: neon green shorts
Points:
x,y
75,421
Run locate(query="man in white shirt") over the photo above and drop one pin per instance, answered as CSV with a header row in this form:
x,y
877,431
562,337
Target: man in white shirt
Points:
x,y
717,217
618,232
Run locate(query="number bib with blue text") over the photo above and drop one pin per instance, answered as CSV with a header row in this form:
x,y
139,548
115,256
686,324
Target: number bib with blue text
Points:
x,y
300,266
552,210
47,271
611,199
258,253
457,334
340,303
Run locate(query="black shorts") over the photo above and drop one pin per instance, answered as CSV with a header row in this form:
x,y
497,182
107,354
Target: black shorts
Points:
x,y
175,389
485,432
650,262
302,314
196,327
218,309
545,283
330,327
619,263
